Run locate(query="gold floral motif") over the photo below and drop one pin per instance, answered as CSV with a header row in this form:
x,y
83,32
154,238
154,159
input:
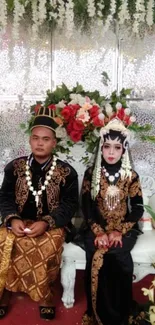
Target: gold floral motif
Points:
x,y
115,218
86,186
88,320
96,229
52,190
97,263
5,258
10,216
50,221
135,188
21,187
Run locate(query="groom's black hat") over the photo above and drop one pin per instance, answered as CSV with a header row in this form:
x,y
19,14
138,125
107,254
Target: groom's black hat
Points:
x,y
44,117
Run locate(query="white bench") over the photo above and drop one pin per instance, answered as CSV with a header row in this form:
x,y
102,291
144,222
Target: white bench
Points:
x,y
143,254
73,259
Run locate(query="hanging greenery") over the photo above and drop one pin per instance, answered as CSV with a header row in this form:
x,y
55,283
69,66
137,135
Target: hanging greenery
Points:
x,y
137,15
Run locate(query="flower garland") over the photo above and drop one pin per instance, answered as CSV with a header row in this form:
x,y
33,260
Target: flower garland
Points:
x,y
149,307
38,193
71,14
81,114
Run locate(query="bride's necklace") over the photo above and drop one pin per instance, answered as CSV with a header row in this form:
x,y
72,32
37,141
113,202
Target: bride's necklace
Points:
x,y
112,196
38,193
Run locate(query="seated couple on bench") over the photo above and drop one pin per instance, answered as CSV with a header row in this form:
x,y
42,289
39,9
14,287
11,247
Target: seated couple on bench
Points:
x,y
39,197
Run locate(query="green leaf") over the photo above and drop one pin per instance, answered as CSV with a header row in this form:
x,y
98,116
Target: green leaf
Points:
x,y
78,89
139,128
150,138
91,147
150,211
124,92
84,160
22,125
10,4
61,149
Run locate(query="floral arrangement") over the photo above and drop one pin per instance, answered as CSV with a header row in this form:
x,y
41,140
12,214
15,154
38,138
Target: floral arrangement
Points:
x,y
80,115
137,14
149,307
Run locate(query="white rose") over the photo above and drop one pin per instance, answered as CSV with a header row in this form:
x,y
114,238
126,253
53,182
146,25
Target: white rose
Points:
x,y
61,104
127,111
61,132
72,102
108,109
73,96
118,105
77,99
81,101
132,119
101,116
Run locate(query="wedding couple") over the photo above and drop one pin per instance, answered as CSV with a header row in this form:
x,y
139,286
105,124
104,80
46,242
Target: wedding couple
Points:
x,y
39,197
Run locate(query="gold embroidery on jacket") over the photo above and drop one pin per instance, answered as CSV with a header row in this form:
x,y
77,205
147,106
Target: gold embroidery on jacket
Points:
x,y
116,217
50,220
21,188
86,186
97,229
52,190
97,263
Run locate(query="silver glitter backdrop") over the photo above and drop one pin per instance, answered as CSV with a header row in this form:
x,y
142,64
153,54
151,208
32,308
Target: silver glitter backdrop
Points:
x,y
28,68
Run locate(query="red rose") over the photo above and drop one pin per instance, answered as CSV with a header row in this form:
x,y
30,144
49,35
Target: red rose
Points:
x,y
78,125
97,122
127,120
94,111
121,114
69,127
75,136
52,107
74,108
67,112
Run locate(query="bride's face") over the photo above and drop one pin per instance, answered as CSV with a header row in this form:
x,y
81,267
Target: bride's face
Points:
x,y
112,150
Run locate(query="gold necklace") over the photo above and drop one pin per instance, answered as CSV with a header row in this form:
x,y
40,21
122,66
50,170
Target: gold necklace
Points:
x,y
112,196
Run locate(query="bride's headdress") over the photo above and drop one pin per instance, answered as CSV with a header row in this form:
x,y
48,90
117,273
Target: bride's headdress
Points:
x,y
125,171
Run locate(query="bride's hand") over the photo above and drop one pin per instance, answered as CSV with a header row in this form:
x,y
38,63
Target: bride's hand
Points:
x,y
101,241
115,238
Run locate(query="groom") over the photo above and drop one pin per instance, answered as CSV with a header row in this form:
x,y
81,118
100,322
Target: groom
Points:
x,y
38,198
